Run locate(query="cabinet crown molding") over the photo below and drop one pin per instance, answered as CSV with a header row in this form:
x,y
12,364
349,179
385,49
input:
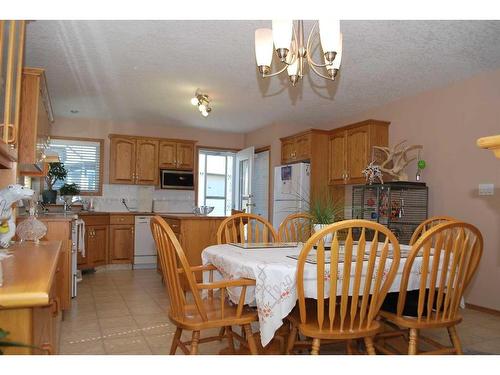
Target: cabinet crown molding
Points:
x,y
129,136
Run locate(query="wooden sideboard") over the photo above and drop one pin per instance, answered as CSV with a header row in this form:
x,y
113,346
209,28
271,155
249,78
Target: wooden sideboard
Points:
x,y
29,307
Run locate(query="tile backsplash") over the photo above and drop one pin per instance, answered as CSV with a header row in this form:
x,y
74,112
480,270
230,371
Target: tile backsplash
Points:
x,y
140,198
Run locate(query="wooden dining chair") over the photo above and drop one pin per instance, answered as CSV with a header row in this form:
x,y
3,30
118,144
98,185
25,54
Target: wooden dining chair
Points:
x,y
295,228
428,224
245,228
450,254
350,285
214,311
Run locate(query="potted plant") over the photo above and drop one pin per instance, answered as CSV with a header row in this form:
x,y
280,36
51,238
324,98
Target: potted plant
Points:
x,y
325,210
57,172
67,191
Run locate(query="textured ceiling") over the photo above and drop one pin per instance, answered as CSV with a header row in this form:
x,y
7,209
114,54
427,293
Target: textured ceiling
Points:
x,y
147,71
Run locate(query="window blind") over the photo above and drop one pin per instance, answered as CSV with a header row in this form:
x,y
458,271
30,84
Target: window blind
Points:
x,y
82,161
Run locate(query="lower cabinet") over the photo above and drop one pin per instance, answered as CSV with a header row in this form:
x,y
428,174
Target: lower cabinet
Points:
x,y
38,326
97,244
121,243
109,239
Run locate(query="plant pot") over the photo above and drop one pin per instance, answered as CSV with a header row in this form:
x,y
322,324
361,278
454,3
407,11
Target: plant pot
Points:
x,y
49,196
328,238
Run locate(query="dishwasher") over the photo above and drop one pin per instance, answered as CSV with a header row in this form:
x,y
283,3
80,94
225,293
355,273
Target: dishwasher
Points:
x,y
144,244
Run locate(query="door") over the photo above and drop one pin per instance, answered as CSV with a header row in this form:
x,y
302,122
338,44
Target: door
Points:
x,y
185,156
168,154
357,153
97,244
243,179
122,161
121,248
146,165
336,158
260,184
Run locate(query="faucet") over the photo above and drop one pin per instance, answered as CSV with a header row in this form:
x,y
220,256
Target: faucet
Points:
x,y
67,206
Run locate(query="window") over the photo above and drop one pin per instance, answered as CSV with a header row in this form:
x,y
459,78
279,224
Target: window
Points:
x,y
82,159
215,180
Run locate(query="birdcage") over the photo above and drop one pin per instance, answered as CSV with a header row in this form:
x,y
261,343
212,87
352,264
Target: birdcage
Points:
x,y
399,205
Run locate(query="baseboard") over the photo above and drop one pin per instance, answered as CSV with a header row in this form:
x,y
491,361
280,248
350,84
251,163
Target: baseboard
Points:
x,y
483,309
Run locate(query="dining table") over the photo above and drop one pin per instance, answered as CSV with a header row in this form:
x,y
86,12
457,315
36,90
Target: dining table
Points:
x,y
274,269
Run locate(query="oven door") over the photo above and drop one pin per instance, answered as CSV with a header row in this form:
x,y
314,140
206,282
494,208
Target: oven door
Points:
x,y
179,180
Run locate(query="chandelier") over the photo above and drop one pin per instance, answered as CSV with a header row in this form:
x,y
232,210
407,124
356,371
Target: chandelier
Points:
x,y
202,101
289,44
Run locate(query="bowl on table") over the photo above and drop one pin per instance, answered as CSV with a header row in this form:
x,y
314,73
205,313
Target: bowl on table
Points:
x,y
203,210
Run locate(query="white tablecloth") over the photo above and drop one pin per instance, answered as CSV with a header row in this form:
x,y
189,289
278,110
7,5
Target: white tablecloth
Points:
x,y
275,293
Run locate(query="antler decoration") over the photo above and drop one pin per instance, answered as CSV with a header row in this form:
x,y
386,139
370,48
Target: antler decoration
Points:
x,y
397,159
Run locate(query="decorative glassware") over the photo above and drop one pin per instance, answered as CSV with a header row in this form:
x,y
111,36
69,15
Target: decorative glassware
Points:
x,y
31,229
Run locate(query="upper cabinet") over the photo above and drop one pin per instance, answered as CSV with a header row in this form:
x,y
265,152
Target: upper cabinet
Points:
x,y
350,150
12,34
146,164
122,158
177,155
138,160
36,119
296,148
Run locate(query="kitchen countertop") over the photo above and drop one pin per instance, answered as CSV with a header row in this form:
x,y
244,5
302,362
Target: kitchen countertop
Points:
x,y
191,217
28,274
60,216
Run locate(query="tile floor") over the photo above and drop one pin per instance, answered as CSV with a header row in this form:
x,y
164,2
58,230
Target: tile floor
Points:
x,y
125,312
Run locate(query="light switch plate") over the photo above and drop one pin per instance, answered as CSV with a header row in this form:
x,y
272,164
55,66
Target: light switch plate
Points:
x,y
486,189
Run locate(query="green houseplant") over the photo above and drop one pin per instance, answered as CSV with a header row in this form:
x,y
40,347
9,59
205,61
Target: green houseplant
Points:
x,y
69,189
57,172
325,210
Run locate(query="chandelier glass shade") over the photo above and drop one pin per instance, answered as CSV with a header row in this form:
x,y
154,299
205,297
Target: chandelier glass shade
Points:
x,y
202,101
287,40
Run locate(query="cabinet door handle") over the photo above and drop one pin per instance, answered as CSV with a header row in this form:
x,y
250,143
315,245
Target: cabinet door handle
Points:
x,y
55,306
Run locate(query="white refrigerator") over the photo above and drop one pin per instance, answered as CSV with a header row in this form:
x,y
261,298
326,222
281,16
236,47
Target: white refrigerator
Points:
x,y
291,190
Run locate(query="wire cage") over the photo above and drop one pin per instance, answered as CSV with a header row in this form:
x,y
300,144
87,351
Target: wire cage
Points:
x,y
399,205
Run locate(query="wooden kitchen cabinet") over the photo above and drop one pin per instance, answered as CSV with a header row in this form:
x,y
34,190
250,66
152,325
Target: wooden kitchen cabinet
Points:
x,y
350,150
176,155
146,165
29,306
121,244
96,242
122,161
36,118
296,148
168,154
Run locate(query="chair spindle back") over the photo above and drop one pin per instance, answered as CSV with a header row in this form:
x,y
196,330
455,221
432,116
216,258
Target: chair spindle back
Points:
x,y
351,289
295,228
428,224
245,228
174,264
450,255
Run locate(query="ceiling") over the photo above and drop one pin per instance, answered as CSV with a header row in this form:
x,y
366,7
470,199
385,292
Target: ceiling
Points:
x,y
147,71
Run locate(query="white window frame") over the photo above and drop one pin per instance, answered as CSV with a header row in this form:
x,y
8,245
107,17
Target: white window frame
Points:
x,y
101,160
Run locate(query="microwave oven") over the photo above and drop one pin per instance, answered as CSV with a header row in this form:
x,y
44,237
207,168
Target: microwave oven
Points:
x,y
177,180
